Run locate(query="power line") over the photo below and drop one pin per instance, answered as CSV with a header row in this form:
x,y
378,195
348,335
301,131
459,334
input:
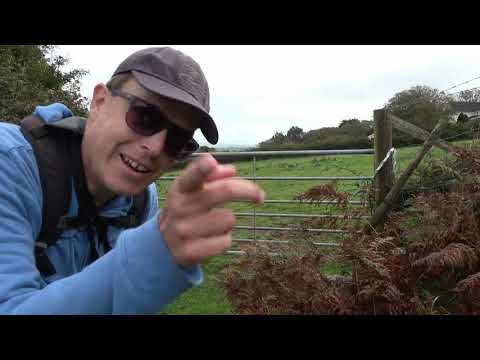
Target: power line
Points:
x,y
458,92
452,87
463,83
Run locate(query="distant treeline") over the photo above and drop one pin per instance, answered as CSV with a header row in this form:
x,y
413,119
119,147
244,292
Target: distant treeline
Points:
x,y
350,134
420,105
355,134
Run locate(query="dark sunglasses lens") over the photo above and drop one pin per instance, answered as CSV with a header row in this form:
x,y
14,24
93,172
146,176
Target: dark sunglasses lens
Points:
x,y
188,149
145,121
180,143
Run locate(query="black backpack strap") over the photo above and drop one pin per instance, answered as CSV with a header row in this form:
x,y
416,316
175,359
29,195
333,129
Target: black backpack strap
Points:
x,y
57,148
89,214
135,215
53,166
139,205
73,124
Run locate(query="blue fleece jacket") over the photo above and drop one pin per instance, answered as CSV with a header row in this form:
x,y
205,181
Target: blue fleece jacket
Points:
x,y
138,276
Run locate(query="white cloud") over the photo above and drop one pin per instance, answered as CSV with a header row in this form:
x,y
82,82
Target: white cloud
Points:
x,y
257,90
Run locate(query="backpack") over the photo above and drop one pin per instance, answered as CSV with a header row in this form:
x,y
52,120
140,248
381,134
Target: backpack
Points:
x,y
57,149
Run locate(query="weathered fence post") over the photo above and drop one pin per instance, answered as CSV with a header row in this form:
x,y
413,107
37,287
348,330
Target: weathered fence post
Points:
x,y
383,143
382,210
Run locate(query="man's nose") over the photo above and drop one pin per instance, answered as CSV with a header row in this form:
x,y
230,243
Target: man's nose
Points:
x,y
155,143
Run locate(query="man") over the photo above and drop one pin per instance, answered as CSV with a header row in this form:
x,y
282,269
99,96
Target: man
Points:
x,y
139,124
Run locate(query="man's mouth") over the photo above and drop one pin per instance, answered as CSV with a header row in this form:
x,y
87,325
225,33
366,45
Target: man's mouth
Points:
x,y
132,164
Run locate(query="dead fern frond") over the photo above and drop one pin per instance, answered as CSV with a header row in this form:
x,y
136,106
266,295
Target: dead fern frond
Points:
x,y
469,285
324,192
383,244
469,294
469,289
451,258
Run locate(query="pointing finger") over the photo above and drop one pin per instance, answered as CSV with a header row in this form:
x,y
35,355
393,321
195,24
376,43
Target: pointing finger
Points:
x,y
222,172
196,173
219,193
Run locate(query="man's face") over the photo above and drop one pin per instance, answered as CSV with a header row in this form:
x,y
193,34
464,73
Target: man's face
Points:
x,y
112,152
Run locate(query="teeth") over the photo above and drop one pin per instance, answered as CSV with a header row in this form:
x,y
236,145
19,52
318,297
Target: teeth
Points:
x,y
134,165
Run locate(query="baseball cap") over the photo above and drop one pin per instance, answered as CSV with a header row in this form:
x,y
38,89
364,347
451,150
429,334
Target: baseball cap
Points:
x,y
170,73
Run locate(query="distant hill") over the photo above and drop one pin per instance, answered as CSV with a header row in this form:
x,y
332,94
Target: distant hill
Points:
x,y
232,147
224,147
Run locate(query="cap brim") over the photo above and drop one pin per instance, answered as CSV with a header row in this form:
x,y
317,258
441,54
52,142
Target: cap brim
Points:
x,y
157,86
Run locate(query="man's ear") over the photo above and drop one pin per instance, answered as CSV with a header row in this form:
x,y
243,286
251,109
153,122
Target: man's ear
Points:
x,y
98,99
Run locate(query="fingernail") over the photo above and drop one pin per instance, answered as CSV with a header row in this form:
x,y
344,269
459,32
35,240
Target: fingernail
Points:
x,y
205,168
232,168
263,195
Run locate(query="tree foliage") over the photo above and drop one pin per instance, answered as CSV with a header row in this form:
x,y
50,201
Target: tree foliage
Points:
x,y
424,106
278,138
351,122
32,75
470,95
350,134
295,135
420,105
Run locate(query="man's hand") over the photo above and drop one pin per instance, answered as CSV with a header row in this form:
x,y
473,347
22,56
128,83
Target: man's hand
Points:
x,y
193,230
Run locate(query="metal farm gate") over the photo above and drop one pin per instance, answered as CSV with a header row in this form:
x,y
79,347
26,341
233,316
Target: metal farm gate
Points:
x,y
255,229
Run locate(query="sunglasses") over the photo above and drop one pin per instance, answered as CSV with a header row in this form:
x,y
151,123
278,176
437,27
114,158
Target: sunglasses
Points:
x,y
147,119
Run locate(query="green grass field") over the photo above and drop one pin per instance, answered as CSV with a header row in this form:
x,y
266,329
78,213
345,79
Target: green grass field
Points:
x,y
210,298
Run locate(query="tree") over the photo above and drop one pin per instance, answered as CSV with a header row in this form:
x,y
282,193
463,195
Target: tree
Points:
x,y
351,122
275,140
471,95
295,135
278,138
32,75
420,105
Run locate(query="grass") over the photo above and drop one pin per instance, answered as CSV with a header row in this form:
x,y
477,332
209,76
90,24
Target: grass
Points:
x,y
210,298
207,299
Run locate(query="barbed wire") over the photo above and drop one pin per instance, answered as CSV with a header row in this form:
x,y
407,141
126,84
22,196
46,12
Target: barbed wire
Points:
x,y
458,135
417,102
413,103
420,142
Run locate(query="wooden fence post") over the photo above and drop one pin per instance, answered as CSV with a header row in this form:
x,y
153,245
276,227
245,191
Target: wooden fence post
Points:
x,y
419,133
382,210
383,143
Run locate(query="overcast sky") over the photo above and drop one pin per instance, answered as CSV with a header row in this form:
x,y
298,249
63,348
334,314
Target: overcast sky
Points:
x,y
258,90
